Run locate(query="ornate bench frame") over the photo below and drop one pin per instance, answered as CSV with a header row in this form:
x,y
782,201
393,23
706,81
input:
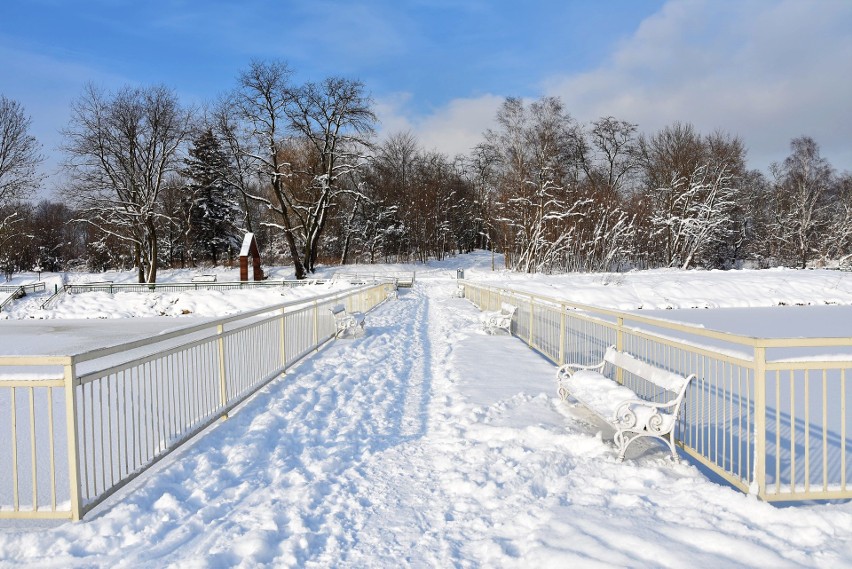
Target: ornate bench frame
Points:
x,y
346,321
633,418
501,320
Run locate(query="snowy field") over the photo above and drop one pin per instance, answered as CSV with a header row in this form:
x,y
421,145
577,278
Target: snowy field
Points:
x,y
427,443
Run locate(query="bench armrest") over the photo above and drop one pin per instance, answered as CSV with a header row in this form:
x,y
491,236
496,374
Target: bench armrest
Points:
x,y
568,370
641,414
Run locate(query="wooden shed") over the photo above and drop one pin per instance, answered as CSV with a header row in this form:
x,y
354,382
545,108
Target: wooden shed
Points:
x,y
250,250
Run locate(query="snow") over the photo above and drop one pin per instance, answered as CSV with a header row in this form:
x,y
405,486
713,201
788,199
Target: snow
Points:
x,y
246,246
428,443
666,289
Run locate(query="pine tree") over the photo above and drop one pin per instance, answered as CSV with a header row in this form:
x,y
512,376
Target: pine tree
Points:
x,y
214,210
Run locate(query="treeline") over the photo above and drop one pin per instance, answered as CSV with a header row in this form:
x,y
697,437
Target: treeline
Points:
x,y
149,182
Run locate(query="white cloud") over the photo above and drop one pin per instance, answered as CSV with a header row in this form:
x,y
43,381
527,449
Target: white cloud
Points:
x,y
767,71
454,128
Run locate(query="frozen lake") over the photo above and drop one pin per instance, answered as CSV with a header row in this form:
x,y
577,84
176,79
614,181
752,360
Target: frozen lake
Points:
x,y
69,337
768,322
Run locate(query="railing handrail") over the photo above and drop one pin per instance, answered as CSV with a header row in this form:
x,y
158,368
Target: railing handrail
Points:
x,y
734,338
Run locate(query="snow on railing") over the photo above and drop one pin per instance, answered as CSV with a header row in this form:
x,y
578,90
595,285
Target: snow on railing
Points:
x,y
773,426
71,435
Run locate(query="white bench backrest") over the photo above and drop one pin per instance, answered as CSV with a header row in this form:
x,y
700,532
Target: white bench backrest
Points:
x,y
337,309
507,308
204,279
667,380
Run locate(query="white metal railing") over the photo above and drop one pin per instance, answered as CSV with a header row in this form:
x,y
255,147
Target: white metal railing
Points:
x,y
31,287
400,278
18,291
74,429
769,424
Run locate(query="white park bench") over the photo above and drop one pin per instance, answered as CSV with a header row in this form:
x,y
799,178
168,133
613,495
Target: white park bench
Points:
x,y
347,323
631,416
204,279
501,319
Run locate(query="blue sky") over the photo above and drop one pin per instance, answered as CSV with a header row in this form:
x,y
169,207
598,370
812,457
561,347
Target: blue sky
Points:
x,y
767,70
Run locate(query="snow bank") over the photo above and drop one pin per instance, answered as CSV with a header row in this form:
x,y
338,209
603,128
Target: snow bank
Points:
x,y
671,289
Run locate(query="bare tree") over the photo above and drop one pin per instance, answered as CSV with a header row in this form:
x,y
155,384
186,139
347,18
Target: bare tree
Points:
x,y
19,153
19,160
120,149
609,155
260,104
335,120
839,238
241,174
536,175
802,184
700,214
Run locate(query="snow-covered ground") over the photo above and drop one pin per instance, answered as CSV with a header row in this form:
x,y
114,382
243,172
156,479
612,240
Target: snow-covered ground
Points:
x,y
427,443
671,289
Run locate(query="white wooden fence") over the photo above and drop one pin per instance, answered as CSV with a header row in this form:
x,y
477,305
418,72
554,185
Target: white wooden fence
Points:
x,y
74,429
764,414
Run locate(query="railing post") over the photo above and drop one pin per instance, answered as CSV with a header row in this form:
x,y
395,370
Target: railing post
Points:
x,y
283,339
562,322
759,423
75,491
530,341
619,345
223,382
316,326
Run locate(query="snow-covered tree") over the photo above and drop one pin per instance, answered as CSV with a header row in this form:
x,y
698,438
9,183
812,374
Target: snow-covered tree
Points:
x,y
19,160
698,215
257,126
213,209
690,195
535,173
121,149
331,123
838,244
801,193
19,153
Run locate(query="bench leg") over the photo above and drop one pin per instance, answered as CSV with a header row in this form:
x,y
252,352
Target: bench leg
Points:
x,y
622,441
670,440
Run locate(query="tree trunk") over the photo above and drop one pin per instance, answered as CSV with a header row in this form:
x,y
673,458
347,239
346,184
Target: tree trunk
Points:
x,y
152,251
137,253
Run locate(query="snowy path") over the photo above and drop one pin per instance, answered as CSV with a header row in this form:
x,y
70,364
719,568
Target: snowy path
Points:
x,y
426,443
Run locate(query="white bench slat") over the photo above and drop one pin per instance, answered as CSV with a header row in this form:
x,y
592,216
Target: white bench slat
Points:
x,y
660,377
598,392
